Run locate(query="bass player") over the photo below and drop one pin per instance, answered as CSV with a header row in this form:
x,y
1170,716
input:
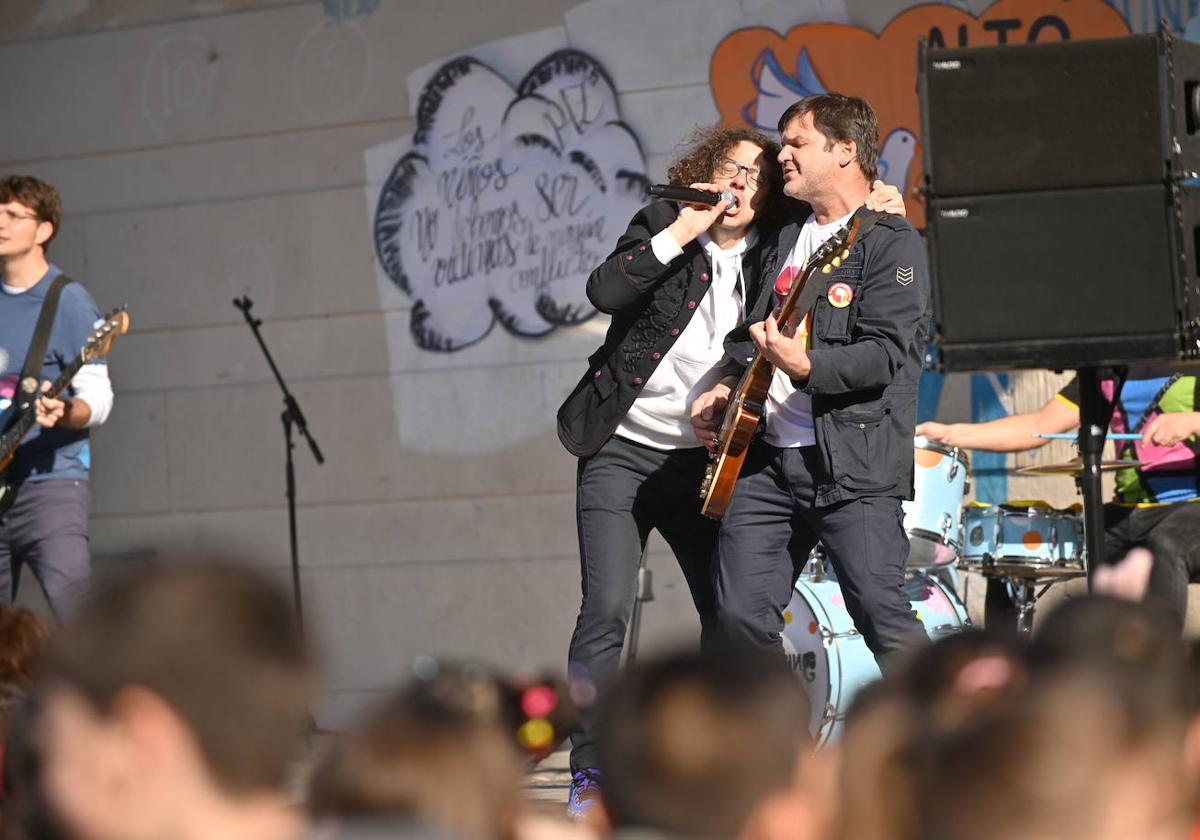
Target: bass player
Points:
x,y
47,525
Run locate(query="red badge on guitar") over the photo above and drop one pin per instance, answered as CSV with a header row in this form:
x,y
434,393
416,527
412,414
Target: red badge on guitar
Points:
x,y
840,295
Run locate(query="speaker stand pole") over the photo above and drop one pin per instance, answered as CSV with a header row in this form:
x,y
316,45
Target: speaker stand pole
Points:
x,y
1095,412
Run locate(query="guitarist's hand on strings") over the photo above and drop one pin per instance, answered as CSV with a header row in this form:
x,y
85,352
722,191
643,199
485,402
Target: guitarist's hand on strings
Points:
x,y
49,410
783,348
70,413
708,411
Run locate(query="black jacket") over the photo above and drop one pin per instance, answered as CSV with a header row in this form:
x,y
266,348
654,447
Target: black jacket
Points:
x,y
866,359
650,304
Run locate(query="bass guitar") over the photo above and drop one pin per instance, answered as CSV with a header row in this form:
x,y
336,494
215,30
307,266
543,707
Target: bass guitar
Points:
x,y
745,409
97,345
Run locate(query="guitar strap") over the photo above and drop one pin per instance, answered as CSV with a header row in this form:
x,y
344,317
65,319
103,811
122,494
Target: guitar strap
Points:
x,y
810,292
35,357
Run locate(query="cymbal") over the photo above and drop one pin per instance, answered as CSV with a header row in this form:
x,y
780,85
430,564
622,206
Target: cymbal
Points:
x,y
1075,466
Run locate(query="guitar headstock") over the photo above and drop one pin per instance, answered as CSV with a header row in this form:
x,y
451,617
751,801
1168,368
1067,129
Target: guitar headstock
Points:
x,y
836,248
100,341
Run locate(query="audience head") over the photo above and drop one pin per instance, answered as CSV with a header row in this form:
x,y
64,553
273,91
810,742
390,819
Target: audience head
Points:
x,y
691,745
939,688
1062,761
175,687
448,751
23,635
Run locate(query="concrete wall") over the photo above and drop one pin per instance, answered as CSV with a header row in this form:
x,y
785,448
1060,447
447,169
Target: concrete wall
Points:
x,y
207,150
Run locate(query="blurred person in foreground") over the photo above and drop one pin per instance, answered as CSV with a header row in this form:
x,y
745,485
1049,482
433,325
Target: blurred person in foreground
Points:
x,y
173,707
1097,745
942,687
23,636
446,757
709,746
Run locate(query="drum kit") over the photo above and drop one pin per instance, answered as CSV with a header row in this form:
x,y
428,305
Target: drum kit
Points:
x,y
1026,544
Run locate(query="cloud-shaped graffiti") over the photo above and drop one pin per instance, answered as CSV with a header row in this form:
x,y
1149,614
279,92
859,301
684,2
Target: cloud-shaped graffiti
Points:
x,y
507,199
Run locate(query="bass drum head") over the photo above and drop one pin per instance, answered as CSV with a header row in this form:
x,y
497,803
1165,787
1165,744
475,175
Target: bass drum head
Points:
x,y
826,652
829,655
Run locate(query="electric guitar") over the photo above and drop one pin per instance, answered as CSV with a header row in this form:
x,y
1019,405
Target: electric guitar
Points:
x,y
745,408
97,345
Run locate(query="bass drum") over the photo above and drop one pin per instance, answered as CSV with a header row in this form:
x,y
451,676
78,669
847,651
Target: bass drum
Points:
x,y
830,655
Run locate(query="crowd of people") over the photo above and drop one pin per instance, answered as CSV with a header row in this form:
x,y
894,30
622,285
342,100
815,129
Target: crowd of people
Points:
x,y
175,705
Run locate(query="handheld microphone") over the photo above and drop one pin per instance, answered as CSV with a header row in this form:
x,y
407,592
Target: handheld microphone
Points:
x,y
690,196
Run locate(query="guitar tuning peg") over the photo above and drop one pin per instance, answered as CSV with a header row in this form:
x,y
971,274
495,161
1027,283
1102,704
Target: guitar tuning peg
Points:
x,y
845,253
828,269
837,261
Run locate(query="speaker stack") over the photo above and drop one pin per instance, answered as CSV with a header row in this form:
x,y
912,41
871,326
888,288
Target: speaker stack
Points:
x,y
1063,206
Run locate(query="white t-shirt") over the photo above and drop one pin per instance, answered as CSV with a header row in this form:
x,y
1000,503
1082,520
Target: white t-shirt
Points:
x,y
789,412
660,417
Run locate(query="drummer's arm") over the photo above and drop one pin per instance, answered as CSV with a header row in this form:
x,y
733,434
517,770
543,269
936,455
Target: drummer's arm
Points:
x,y
1015,433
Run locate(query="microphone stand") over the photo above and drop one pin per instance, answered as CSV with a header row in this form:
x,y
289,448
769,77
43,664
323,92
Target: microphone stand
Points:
x,y
292,417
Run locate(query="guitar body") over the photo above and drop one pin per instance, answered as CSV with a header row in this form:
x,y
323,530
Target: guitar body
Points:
x,y
723,470
746,402
744,413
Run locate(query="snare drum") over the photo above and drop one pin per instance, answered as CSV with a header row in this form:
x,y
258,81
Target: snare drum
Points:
x,y
932,517
830,655
1023,536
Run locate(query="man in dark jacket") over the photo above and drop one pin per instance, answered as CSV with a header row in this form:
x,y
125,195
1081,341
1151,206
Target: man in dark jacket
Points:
x,y
836,458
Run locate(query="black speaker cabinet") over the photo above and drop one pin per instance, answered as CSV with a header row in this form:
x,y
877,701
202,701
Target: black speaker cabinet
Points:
x,y
1060,115
1066,278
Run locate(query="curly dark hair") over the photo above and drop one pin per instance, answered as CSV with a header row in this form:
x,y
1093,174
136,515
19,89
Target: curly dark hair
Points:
x,y
705,148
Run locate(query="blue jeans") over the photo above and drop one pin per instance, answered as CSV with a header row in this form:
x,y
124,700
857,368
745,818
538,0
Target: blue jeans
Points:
x,y
47,529
770,527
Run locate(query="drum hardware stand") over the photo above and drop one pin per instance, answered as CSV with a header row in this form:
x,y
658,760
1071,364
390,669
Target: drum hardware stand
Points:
x,y
1095,412
292,417
644,593
1025,601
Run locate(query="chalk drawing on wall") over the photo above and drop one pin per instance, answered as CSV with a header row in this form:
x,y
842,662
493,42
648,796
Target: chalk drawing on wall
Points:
x,y
331,71
507,199
178,81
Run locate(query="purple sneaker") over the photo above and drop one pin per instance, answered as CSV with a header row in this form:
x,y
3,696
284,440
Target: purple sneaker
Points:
x,y
585,793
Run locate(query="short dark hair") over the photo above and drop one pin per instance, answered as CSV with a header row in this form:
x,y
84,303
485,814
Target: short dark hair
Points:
x,y
692,744
706,146
840,118
441,752
38,196
217,642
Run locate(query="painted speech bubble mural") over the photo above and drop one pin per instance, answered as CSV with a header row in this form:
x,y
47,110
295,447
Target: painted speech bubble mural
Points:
x,y
508,198
756,73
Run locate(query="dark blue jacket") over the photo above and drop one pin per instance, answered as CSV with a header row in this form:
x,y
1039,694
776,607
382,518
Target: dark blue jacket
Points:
x,y
866,359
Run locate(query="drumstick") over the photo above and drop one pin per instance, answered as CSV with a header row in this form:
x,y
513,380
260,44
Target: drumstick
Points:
x,y
1069,436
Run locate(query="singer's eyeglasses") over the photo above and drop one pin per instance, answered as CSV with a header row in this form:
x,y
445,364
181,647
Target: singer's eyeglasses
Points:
x,y
15,217
727,168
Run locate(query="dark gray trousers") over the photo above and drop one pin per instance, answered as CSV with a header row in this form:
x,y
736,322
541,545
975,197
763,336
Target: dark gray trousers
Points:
x,y
767,533
623,492
47,530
